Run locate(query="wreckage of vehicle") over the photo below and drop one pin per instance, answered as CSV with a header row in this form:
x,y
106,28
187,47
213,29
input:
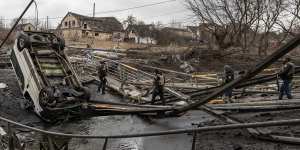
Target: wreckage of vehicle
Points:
x,y
46,78
51,86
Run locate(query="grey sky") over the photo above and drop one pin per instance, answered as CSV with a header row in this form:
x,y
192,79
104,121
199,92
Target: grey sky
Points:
x,y
165,12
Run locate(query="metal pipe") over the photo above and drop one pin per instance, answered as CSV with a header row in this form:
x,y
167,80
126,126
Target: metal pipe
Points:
x,y
16,23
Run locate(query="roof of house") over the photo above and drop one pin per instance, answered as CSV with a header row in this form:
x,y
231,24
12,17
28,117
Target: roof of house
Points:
x,y
21,26
102,24
175,29
193,28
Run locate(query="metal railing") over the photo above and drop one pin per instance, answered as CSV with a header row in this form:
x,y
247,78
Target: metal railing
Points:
x,y
50,136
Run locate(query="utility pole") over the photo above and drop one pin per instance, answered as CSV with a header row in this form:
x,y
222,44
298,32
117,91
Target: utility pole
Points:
x,y
94,9
47,23
1,22
37,16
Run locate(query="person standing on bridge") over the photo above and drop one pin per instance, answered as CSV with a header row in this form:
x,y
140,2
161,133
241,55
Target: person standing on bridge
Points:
x,y
158,83
102,72
228,77
286,75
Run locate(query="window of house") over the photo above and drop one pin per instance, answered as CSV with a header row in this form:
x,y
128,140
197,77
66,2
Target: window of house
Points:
x,y
29,29
66,24
85,26
73,23
96,34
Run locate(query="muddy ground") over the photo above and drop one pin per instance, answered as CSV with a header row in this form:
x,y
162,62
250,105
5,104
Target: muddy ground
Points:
x,y
104,125
107,125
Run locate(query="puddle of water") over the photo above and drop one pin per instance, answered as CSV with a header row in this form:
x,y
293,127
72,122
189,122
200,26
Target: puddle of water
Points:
x,y
127,144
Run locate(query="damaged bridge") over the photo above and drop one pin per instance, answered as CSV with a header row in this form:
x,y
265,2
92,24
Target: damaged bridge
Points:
x,y
54,86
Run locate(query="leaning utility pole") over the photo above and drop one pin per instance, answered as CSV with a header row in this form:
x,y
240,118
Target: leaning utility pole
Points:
x,y
16,23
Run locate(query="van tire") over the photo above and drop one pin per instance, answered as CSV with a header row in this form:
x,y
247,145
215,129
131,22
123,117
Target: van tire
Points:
x,y
46,95
23,42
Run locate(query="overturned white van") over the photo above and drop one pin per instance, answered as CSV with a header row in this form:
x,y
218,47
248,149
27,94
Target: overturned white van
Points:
x,y
46,77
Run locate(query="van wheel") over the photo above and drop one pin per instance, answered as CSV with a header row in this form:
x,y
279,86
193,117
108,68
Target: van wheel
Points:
x,y
23,42
46,97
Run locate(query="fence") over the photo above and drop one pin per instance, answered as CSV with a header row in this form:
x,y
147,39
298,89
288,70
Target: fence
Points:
x,y
14,143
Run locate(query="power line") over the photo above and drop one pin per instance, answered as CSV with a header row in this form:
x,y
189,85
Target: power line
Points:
x,y
135,7
184,20
150,17
166,14
116,10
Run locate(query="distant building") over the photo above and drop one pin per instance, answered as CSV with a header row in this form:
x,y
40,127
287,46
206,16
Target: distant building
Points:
x,y
202,33
179,31
101,28
25,27
141,34
195,32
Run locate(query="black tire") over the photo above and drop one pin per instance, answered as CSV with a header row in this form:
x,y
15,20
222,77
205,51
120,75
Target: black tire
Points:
x,y
45,96
23,41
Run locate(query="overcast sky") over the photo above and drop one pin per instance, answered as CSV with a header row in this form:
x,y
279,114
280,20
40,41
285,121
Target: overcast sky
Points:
x,y
165,12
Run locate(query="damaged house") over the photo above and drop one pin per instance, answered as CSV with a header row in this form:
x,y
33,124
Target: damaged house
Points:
x,y
25,27
74,26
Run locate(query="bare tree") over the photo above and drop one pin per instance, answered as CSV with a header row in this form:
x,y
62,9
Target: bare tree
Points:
x,y
239,22
291,18
131,20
